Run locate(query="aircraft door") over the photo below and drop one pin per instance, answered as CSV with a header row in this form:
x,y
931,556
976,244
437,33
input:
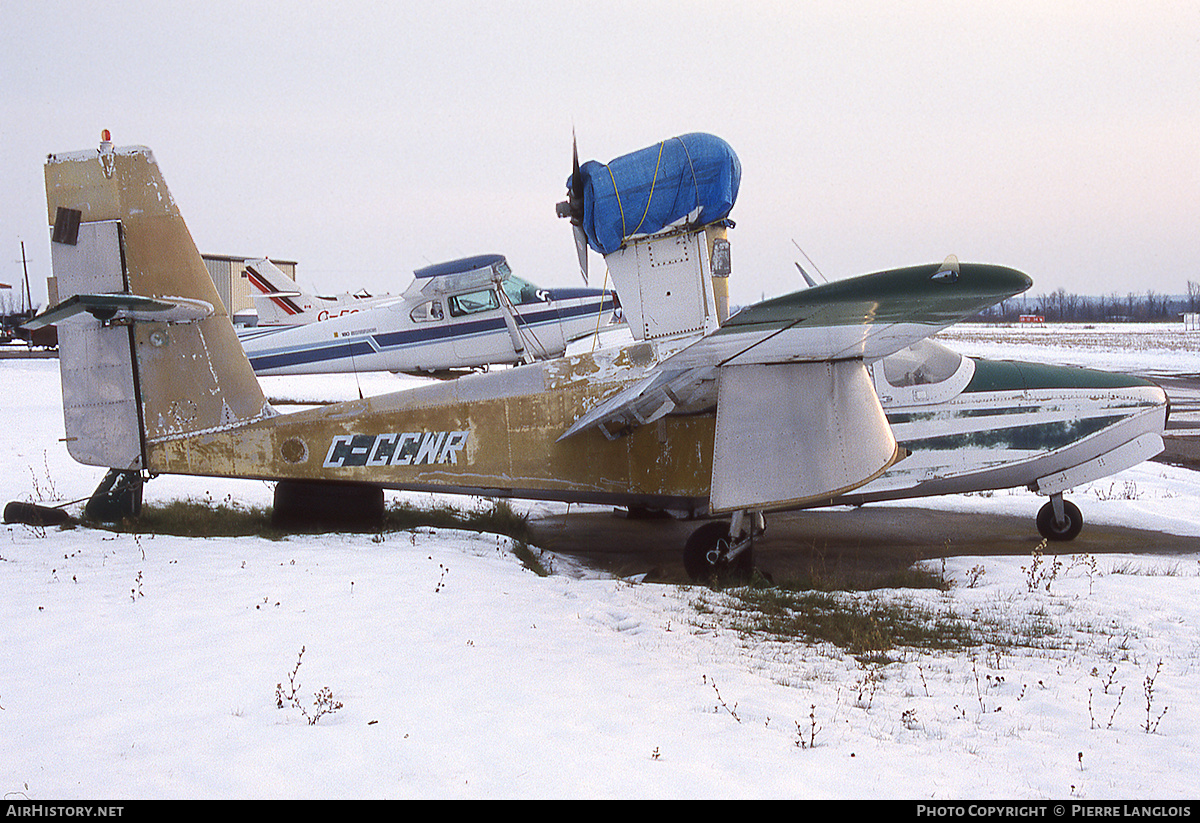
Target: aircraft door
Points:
x,y
478,327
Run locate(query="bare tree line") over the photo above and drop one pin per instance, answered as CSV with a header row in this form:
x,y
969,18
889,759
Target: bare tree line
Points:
x,y
1065,307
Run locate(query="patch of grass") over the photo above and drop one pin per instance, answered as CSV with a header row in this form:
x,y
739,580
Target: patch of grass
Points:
x,y
529,559
871,626
867,627
1168,569
206,518
900,568
498,518
824,579
197,518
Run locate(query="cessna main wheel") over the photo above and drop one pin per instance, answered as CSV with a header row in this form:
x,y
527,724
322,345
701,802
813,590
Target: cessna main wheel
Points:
x,y
705,555
1049,527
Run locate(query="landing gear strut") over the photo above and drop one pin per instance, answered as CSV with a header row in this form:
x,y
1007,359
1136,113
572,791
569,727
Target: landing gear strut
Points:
x,y
720,550
118,496
1059,520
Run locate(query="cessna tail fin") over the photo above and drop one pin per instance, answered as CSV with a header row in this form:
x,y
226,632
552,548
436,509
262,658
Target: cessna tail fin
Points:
x,y
274,293
146,348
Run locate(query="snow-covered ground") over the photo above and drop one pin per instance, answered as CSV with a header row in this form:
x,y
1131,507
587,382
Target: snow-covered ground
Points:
x,y
1141,348
148,667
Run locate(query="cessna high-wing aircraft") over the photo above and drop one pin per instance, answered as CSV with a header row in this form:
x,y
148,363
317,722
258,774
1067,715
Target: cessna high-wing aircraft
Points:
x,y
463,314
829,395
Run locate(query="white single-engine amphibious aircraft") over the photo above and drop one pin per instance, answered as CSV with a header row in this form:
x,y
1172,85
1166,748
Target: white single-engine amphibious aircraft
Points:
x,y
829,395
463,314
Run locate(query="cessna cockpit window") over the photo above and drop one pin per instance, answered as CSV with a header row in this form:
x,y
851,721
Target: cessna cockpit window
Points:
x,y
520,291
921,364
473,302
427,311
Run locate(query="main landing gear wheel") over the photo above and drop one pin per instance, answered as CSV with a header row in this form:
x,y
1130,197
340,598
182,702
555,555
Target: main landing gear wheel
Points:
x,y
1061,529
706,555
312,504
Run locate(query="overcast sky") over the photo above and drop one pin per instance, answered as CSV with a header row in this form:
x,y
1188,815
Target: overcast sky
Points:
x,y
365,140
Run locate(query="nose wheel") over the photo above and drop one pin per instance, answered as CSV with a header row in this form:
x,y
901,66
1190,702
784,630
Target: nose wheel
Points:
x,y
1059,520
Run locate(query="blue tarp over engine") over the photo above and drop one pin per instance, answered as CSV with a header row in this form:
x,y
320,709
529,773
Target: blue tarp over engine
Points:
x,y
645,191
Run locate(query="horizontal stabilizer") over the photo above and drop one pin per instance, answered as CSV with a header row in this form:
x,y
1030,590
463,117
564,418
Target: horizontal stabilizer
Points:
x,y
118,307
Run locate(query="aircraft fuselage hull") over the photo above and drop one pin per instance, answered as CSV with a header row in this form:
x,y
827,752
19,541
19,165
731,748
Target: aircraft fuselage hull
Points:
x,y
498,434
494,434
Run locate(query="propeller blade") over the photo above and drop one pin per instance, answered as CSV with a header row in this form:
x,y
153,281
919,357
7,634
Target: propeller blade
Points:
x,y
581,248
576,194
575,208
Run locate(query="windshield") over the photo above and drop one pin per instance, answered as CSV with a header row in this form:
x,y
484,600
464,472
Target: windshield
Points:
x,y
519,291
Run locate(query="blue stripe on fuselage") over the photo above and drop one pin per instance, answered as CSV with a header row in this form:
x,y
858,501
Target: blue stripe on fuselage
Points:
x,y
323,352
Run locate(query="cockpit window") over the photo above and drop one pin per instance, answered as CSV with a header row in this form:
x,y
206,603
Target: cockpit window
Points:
x,y
473,302
427,311
519,291
921,364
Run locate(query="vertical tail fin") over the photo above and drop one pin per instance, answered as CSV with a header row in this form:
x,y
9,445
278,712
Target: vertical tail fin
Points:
x,y
147,350
275,294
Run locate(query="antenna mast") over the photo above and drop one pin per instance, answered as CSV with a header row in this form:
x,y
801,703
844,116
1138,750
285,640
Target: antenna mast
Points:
x,y
25,295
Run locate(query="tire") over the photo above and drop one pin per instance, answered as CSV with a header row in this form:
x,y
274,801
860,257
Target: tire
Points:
x,y
704,555
323,505
1068,530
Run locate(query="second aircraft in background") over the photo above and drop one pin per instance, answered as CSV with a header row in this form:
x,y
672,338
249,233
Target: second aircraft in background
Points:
x,y
463,314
